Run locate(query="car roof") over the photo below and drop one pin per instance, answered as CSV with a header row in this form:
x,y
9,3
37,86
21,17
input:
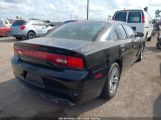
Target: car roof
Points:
x,y
112,22
129,10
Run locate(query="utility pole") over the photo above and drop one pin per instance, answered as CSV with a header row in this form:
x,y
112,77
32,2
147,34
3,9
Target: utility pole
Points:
x,y
87,9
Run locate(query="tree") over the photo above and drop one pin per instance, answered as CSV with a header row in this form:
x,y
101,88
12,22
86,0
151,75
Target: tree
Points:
x,y
157,14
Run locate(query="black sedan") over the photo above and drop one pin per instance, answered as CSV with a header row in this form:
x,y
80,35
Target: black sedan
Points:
x,y
78,61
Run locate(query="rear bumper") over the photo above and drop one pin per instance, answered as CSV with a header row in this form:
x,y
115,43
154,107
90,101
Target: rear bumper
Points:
x,y
3,33
19,34
70,86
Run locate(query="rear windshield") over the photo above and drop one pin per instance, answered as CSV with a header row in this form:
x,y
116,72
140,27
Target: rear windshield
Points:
x,y
19,22
134,17
121,16
79,30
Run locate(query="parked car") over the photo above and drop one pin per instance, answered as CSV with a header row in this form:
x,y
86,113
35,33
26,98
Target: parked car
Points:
x,y
139,20
28,29
5,22
4,28
78,61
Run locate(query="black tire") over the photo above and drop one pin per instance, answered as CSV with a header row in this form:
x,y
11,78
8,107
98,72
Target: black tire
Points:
x,y
108,92
19,38
149,39
158,45
31,35
7,34
146,37
141,54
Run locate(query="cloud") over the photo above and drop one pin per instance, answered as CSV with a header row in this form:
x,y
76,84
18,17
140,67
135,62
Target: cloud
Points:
x,y
13,1
70,9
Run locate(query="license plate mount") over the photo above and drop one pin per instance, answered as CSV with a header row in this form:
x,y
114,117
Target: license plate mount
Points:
x,y
35,79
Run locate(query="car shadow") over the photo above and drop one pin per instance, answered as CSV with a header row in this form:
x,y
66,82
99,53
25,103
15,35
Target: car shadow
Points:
x,y
18,101
151,50
7,39
157,108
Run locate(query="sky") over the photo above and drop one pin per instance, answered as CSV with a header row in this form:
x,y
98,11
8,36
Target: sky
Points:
x,y
61,10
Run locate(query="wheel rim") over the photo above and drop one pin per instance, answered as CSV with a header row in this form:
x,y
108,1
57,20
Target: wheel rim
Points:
x,y
141,54
31,35
114,79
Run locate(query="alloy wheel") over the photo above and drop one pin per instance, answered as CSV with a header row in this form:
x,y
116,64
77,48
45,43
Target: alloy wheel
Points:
x,y
114,79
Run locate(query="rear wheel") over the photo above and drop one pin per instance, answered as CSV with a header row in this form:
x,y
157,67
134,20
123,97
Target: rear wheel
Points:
x,y
149,39
31,35
146,37
112,82
7,34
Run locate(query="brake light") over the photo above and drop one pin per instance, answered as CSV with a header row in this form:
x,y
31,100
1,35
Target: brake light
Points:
x,y
62,60
75,62
15,51
143,19
22,27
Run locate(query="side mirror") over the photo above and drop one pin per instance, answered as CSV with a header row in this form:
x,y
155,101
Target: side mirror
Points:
x,y
139,34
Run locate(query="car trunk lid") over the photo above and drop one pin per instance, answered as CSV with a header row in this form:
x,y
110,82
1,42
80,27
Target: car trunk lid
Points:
x,y
59,43
51,53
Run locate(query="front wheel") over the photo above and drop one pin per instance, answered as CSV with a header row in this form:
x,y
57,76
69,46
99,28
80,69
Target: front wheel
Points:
x,y
112,81
141,55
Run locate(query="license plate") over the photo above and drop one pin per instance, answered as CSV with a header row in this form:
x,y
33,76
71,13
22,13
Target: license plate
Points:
x,y
35,79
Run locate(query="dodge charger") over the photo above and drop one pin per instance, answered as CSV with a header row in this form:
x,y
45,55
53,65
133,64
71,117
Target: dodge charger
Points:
x,y
78,61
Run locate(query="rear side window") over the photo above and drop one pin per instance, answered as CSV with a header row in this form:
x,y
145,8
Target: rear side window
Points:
x,y
129,31
39,23
113,35
134,17
121,16
6,22
121,32
1,22
19,22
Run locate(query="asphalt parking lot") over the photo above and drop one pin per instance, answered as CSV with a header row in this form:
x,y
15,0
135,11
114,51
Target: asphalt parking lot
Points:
x,y
139,92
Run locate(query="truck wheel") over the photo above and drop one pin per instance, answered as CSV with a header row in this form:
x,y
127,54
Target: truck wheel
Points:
x,y
149,39
31,35
112,82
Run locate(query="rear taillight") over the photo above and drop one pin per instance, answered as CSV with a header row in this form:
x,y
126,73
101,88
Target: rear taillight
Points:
x,y
61,60
143,19
15,51
74,62
22,27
